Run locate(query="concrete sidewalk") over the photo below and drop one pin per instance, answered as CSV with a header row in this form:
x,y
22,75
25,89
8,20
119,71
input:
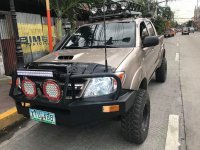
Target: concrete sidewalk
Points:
x,y
8,112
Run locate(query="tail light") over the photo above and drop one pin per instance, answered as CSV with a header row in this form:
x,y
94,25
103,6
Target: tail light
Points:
x,y
52,90
29,88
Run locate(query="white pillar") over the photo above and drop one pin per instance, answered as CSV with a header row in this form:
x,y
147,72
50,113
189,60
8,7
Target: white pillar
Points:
x,y
2,71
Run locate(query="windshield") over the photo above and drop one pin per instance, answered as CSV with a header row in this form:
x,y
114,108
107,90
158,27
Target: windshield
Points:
x,y
118,35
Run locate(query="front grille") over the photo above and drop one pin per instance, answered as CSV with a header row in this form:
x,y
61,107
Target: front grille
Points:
x,y
78,89
79,86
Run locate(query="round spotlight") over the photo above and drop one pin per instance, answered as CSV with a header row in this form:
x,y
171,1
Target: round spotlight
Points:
x,y
113,7
124,5
29,88
104,8
52,90
94,10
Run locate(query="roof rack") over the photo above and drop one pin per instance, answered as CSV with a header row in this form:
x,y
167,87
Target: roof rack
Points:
x,y
119,9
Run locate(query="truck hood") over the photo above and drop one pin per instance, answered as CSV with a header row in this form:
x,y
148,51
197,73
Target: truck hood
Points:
x,y
115,56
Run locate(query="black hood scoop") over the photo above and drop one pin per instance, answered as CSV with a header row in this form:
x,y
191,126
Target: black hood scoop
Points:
x,y
65,57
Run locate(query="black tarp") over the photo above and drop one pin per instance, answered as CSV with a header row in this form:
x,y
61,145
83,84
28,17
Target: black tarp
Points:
x,y
27,6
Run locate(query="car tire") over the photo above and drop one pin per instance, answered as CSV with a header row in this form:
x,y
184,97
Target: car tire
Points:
x,y
161,72
135,123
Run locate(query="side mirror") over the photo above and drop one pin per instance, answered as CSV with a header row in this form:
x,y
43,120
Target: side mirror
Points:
x,y
150,41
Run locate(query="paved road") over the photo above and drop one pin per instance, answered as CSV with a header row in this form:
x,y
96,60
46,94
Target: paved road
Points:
x,y
180,92
190,84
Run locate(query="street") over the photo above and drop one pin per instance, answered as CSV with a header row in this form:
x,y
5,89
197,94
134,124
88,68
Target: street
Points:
x,y
179,96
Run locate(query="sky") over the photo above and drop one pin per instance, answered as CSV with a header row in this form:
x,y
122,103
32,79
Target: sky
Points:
x,y
182,8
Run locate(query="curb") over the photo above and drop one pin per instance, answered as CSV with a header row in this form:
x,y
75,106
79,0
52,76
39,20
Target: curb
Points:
x,y
9,117
5,78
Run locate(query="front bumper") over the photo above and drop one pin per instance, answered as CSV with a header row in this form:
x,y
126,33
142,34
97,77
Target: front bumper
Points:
x,y
79,112
76,111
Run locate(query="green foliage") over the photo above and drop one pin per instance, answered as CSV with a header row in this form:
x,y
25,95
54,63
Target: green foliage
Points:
x,y
70,9
190,23
167,13
144,4
159,24
174,24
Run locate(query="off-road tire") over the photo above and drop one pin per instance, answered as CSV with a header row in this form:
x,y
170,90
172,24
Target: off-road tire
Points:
x,y
135,123
161,72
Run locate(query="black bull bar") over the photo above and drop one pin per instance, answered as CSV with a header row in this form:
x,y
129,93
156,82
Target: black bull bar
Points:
x,y
68,77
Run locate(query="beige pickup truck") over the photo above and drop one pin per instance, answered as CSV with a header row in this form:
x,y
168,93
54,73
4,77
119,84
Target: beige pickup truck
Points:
x,y
72,85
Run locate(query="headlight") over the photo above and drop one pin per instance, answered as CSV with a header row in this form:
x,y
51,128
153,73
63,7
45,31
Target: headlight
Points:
x,y
104,8
94,10
99,87
103,86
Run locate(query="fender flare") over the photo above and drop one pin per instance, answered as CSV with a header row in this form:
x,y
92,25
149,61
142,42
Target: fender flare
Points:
x,y
140,75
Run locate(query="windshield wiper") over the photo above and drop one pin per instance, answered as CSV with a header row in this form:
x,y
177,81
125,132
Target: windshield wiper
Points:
x,y
76,47
102,46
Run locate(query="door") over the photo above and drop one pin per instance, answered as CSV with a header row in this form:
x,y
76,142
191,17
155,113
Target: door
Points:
x,y
156,49
8,44
148,56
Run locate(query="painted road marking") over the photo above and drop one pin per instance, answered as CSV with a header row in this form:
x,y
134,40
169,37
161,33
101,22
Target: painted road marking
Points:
x,y
8,113
172,140
9,117
177,57
5,78
177,44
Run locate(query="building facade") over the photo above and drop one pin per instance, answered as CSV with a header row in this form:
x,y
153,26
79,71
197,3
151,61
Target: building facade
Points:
x,y
32,29
197,17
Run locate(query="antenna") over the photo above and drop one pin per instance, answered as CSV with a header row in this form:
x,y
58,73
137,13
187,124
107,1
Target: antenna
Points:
x,y
104,24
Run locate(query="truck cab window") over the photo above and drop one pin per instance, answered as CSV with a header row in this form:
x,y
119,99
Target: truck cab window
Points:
x,y
143,31
150,28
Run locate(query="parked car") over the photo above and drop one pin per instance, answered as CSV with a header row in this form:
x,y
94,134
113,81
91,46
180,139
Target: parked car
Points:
x,y
76,84
170,32
185,30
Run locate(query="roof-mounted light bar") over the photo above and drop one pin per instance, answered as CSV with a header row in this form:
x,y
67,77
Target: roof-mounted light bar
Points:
x,y
121,8
34,73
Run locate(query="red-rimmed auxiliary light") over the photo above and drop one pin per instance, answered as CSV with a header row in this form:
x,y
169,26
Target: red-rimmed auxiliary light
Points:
x,y
52,90
28,88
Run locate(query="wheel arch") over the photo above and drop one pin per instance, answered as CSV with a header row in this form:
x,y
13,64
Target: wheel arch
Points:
x,y
139,80
163,53
143,84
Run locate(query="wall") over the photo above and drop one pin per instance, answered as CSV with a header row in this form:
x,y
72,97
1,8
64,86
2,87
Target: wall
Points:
x,y
33,33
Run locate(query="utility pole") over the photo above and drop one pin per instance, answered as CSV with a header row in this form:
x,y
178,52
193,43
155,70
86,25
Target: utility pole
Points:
x,y
19,52
149,4
156,11
49,26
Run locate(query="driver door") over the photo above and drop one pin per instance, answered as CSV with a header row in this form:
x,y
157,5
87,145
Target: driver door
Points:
x,y
148,52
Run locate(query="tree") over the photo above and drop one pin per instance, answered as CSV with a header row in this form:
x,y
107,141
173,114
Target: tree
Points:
x,y
68,9
190,23
159,24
